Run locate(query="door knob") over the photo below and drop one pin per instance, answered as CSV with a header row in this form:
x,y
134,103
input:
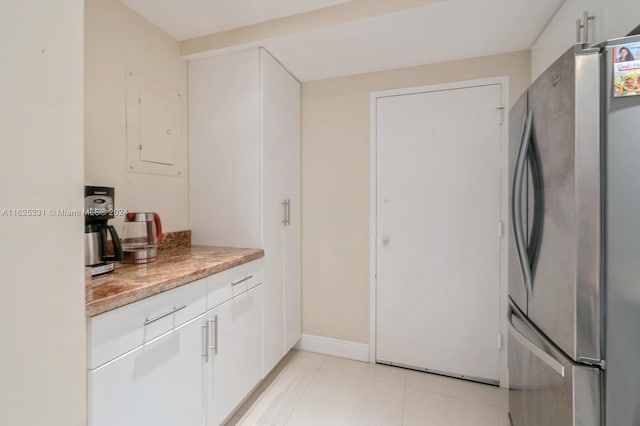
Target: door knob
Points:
x,y
385,241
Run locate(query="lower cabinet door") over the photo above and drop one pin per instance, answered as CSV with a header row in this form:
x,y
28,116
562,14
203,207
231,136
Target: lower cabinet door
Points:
x,y
159,384
235,353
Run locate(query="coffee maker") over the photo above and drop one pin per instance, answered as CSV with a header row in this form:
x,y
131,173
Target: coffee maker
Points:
x,y
98,205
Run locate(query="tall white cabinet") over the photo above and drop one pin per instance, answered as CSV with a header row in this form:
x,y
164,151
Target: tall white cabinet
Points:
x,y
244,149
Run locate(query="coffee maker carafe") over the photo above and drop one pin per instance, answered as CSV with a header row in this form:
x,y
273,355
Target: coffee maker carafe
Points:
x,y
98,204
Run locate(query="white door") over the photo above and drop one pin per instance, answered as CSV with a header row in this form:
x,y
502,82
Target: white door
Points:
x,y
158,384
235,353
438,208
291,172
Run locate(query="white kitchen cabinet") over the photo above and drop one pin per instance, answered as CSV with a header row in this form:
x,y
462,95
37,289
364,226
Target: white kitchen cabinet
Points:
x,y
187,356
281,207
234,361
157,384
244,127
281,180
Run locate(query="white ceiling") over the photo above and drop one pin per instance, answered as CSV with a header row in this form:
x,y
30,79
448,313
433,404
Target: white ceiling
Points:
x,y
187,19
438,32
451,30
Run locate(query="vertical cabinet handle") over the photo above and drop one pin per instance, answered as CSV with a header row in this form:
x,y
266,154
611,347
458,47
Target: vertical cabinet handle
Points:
x,y
288,212
578,31
205,341
582,28
213,324
586,18
286,204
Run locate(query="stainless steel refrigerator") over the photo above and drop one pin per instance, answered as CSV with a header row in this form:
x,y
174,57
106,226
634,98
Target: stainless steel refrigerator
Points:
x,y
574,249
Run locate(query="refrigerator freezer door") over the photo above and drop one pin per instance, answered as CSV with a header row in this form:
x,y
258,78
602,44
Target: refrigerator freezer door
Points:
x,y
545,387
517,116
565,302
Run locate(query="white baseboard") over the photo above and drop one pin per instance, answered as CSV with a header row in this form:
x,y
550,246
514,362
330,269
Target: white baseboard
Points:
x,y
334,347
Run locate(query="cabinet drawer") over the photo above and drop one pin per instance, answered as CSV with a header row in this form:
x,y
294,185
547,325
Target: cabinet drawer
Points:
x,y
116,332
227,284
158,384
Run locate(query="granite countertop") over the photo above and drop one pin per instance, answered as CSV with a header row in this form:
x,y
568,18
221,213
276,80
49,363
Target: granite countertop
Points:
x,y
174,267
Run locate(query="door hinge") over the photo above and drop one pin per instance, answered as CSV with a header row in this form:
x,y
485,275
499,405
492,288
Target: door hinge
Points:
x,y
596,362
501,109
499,341
500,229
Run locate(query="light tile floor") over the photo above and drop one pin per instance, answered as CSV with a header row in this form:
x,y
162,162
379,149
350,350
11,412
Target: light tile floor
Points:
x,y
312,389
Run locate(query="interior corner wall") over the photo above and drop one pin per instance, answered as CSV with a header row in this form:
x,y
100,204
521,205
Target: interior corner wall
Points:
x,y
117,39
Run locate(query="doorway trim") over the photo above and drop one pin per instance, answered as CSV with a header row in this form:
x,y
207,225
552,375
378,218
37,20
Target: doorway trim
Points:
x,y
503,81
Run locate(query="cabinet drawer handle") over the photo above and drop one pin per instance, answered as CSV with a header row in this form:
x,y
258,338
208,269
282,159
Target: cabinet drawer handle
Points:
x,y
242,280
148,321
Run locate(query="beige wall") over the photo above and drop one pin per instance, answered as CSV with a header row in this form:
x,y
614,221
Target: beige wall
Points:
x,y
116,38
335,185
42,320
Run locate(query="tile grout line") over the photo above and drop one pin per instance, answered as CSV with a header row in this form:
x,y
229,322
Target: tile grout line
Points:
x,y
455,397
458,381
305,390
404,400
291,362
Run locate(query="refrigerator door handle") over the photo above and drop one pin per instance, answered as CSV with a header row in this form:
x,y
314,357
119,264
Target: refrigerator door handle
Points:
x,y
540,353
516,208
538,201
